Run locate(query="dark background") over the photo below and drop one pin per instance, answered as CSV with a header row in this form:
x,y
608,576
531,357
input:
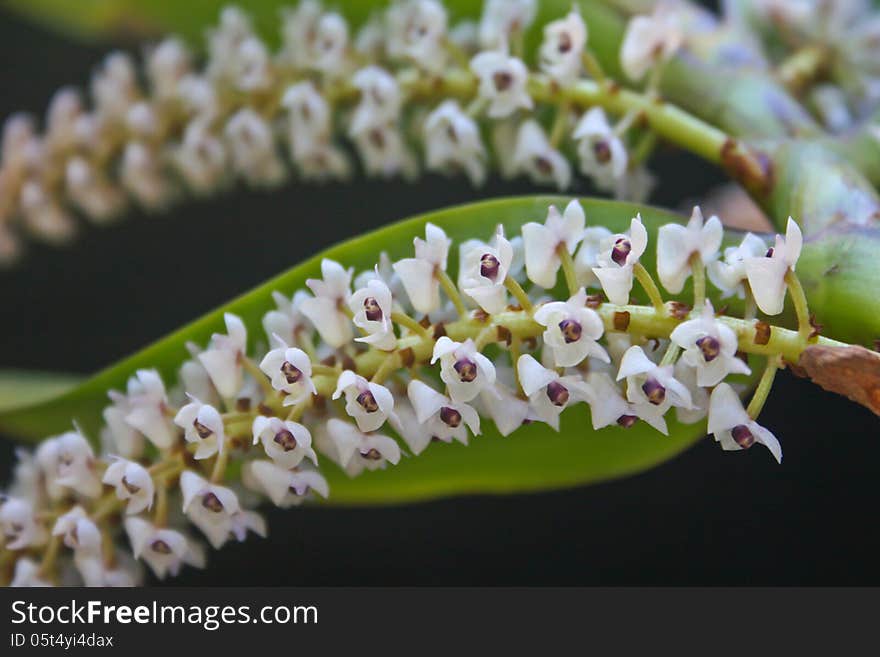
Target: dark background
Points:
x,y
707,517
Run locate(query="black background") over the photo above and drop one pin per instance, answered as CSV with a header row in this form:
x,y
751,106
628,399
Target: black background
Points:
x,y
707,517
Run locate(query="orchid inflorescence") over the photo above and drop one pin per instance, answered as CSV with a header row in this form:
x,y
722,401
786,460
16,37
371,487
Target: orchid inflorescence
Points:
x,y
406,84
364,371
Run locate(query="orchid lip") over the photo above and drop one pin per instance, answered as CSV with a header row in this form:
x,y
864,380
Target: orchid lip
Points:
x,y
654,391
372,310
467,370
502,80
620,251
372,454
489,266
450,417
368,401
571,330
627,421
557,393
212,503
709,347
742,436
602,152
202,430
286,440
130,487
291,373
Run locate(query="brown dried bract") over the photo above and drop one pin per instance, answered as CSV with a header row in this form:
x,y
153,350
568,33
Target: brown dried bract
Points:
x,y
439,330
678,309
594,301
504,334
851,371
815,327
480,315
762,332
407,357
621,320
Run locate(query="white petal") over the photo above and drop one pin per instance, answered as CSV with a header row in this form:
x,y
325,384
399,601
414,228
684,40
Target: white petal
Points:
x,y
532,375
634,362
725,410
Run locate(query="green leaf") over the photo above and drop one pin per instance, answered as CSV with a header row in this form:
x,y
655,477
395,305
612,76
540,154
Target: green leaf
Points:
x,y
20,388
532,458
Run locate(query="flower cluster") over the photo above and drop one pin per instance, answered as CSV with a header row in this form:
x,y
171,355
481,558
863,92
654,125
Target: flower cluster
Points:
x,y
366,371
407,86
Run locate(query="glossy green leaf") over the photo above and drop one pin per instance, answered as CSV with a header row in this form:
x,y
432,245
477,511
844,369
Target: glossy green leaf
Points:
x,y
20,388
532,458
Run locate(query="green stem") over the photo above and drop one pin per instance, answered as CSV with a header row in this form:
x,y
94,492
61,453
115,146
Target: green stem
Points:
x,y
560,124
699,274
763,389
258,374
671,354
799,300
592,65
520,294
568,269
643,321
452,292
219,470
645,279
405,320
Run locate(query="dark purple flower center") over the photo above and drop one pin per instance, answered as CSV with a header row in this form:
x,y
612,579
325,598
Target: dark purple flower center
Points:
x,y
160,546
212,503
710,347
201,429
654,391
557,393
377,138
367,401
291,373
620,251
372,310
602,151
286,440
769,253
571,330
467,370
130,487
743,437
489,266
564,44
372,454
543,165
626,421
502,80
450,417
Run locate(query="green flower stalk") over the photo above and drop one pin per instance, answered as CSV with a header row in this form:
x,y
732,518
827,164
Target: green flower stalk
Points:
x,y
364,373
